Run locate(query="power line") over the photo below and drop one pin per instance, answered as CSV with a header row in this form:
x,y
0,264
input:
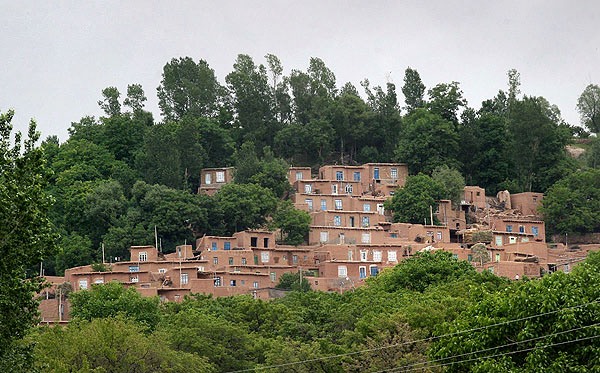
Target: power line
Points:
x,y
502,354
416,365
411,342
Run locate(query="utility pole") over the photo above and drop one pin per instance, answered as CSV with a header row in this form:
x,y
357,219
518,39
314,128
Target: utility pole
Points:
x,y
103,261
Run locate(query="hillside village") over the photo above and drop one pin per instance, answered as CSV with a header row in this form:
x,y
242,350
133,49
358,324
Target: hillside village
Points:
x,y
352,237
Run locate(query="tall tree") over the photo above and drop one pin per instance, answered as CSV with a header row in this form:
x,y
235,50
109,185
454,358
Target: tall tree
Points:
x,y
412,203
110,101
26,236
413,90
427,140
446,101
135,98
537,144
188,88
253,101
588,106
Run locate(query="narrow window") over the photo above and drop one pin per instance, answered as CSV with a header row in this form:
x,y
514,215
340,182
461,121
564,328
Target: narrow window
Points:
x,y
230,261
323,205
184,279
207,179
308,188
324,237
273,276
213,246
244,261
298,175
338,204
365,221
509,228
143,256
264,256
266,242
376,173
254,241
220,177
337,220
394,173
362,272
309,202
215,260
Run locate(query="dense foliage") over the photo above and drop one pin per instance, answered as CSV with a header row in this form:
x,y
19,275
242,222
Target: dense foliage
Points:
x,y
430,311
26,237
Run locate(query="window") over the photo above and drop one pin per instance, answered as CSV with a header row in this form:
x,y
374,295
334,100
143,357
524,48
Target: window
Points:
x,y
334,189
374,270
512,239
356,176
365,221
394,173
244,261
337,220
339,175
376,173
307,188
184,279
367,207
377,256
254,241
143,256
509,228
521,229
217,281
524,239
162,270
266,242
497,257
394,235
352,221
220,177
348,188
439,236
362,272
342,271
366,238
83,284
342,238
392,256
207,179
273,276
295,259
498,241
134,268
213,246
455,256
363,255
134,279
99,281
264,256
324,237
350,254
338,204
227,245
470,257
309,202
255,284
380,209
535,231
230,261
232,283
298,175
215,260
323,205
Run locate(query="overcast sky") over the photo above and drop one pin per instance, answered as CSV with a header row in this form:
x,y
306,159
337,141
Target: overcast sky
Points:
x,y
57,56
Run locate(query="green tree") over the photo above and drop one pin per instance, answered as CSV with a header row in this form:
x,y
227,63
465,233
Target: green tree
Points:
x,y
537,139
542,325
413,90
452,181
188,88
26,235
111,345
588,106
412,203
424,270
113,299
110,101
293,281
245,206
572,205
294,223
427,140
135,98
446,100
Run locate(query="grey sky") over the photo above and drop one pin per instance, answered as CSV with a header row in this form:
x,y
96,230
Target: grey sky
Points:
x,y
57,56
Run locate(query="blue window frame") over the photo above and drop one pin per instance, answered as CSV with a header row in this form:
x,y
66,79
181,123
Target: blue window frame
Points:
x,y
509,228
214,246
535,231
356,176
227,245
376,173
339,175
323,205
